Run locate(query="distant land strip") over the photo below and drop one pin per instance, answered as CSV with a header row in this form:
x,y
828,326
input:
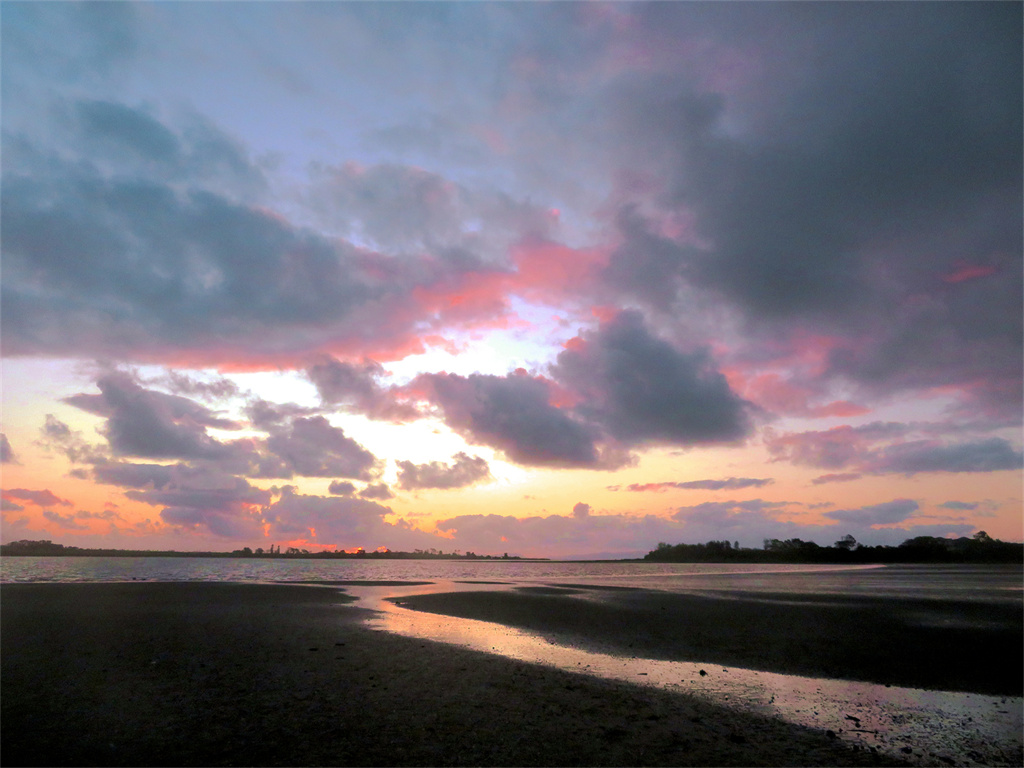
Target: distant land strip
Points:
x,y
48,548
980,548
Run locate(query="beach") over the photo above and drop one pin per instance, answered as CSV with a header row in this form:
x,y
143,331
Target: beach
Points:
x,y
244,674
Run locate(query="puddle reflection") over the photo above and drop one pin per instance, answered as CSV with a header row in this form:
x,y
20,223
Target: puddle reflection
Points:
x,y
921,727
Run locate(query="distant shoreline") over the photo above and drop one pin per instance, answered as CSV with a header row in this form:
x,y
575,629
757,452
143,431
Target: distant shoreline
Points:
x,y
58,550
978,550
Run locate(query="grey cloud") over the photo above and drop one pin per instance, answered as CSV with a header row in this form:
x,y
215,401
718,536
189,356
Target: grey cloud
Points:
x,y
379,491
514,414
204,493
341,488
406,210
836,477
895,511
198,498
6,452
58,436
465,470
737,513
133,475
356,386
581,510
64,521
151,424
183,384
959,505
642,390
113,264
44,498
126,129
268,416
990,455
729,484
10,506
192,496
342,522
624,386
313,447
839,179
879,448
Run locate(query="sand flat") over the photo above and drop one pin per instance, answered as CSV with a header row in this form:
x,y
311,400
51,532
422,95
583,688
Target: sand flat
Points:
x,y
225,674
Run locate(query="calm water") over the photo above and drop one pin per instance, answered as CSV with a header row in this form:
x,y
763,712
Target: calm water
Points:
x,y
74,569
962,582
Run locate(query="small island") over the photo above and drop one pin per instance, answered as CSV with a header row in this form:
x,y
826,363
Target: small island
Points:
x,y
980,548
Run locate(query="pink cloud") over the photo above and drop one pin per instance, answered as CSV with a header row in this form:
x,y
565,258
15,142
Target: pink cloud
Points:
x,y
44,498
963,271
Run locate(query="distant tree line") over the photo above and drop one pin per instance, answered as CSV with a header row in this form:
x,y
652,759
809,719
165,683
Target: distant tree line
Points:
x,y
980,548
48,548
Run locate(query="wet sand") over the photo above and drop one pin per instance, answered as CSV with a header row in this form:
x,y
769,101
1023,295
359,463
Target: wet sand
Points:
x,y
822,647
950,645
223,674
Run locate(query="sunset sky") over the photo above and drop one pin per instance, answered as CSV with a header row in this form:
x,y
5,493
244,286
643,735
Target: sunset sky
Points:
x,y
551,279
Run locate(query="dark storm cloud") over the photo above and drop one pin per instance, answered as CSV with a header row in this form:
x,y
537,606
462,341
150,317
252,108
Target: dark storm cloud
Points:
x,y
464,470
150,424
641,389
512,413
861,156
6,452
908,114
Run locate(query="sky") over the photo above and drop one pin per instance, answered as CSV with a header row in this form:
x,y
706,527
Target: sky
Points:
x,y
545,279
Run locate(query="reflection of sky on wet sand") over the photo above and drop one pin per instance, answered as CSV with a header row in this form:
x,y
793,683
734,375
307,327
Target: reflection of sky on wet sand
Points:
x,y
964,728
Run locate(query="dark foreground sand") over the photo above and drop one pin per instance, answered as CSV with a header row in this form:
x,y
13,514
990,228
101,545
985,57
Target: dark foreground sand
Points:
x,y
222,674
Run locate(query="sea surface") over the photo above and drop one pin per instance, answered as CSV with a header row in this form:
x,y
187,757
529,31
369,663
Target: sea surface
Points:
x,y
973,582
113,569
